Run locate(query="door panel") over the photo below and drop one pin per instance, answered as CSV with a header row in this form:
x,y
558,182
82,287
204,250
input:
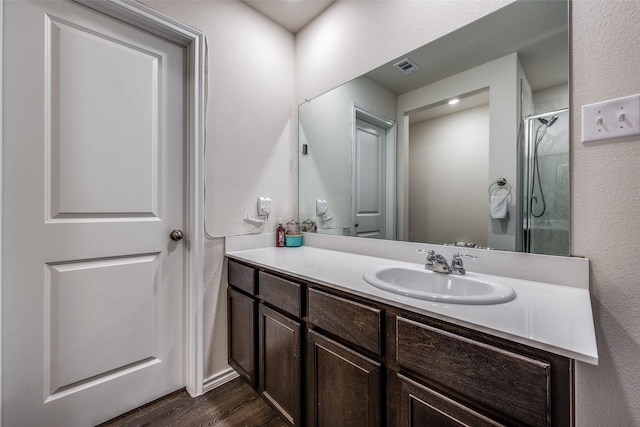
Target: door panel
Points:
x,y
94,183
111,299
88,138
370,180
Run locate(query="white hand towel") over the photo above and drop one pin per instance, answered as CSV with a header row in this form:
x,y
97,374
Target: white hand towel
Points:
x,y
499,207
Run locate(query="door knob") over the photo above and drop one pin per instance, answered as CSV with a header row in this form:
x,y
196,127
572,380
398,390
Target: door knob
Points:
x,y
176,234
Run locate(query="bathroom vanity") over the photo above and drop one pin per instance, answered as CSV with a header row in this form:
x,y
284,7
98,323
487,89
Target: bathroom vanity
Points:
x,y
325,348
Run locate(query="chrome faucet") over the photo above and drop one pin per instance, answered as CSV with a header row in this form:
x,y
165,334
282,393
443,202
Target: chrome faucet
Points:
x,y
457,266
438,263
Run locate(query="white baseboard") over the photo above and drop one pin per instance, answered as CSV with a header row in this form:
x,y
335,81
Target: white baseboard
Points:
x,y
218,379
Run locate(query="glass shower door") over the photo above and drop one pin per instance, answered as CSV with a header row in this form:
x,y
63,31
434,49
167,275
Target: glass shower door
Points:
x,y
546,184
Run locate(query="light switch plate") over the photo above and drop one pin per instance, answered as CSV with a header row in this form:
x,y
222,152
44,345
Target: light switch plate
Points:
x,y
611,119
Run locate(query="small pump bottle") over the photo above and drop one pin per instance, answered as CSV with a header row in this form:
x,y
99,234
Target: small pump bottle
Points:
x,y
280,232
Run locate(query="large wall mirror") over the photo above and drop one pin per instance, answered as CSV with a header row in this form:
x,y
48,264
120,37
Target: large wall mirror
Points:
x,y
463,141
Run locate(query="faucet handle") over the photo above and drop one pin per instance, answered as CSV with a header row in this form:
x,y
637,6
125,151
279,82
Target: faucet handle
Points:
x,y
459,255
428,251
457,266
431,254
431,257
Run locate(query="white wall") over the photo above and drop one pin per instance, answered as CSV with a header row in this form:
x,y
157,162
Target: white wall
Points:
x,y
326,126
551,99
500,76
250,117
448,172
605,202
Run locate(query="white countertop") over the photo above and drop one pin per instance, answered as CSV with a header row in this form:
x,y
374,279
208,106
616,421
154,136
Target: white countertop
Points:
x,y
550,317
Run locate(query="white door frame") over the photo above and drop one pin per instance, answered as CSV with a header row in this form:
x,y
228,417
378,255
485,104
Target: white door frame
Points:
x,y
390,180
145,18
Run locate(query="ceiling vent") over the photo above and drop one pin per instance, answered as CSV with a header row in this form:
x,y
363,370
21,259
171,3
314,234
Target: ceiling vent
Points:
x,y
406,66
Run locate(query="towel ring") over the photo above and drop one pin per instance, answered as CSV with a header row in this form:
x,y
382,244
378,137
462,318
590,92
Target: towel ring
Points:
x,y
500,184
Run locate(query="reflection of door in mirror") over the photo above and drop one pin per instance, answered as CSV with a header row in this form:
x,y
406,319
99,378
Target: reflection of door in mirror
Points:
x,y
373,204
370,170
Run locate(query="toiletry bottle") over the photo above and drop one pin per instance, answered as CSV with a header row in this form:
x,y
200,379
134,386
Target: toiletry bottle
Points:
x,y
293,236
280,235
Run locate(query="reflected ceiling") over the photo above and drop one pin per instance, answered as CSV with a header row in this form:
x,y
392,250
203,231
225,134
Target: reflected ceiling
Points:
x,y
538,34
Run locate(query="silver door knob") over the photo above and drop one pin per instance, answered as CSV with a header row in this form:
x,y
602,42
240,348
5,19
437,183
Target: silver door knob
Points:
x,y
176,234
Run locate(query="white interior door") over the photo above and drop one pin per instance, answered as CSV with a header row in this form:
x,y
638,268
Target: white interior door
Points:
x,y
370,180
93,185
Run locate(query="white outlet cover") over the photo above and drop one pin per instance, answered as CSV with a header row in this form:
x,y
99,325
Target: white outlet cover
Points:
x,y
264,205
615,118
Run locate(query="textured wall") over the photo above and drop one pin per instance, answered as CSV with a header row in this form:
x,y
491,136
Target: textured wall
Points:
x,y
250,113
249,143
605,205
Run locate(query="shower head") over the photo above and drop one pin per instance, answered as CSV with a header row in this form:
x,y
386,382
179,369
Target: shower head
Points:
x,y
549,122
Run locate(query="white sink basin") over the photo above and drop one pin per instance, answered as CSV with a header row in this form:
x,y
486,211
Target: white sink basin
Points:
x,y
447,288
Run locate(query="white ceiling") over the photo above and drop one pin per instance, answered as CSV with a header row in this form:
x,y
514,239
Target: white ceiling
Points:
x,y
291,14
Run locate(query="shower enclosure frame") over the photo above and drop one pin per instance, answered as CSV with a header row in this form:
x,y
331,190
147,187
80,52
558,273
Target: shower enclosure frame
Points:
x,y
527,154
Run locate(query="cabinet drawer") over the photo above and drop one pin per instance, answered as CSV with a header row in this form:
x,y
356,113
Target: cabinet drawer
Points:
x,y
281,293
349,320
513,384
242,277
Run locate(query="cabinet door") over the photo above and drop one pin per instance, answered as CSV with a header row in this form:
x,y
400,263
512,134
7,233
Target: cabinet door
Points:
x,y
420,406
343,386
280,362
241,324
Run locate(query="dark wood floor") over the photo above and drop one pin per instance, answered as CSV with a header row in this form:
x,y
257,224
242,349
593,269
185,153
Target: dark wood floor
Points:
x,y
232,404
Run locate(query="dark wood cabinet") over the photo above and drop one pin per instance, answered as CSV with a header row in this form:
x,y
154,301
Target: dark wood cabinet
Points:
x,y
280,363
265,336
281,293
420,406
355,323
241,328
343,386
510,383
366,363
243,277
